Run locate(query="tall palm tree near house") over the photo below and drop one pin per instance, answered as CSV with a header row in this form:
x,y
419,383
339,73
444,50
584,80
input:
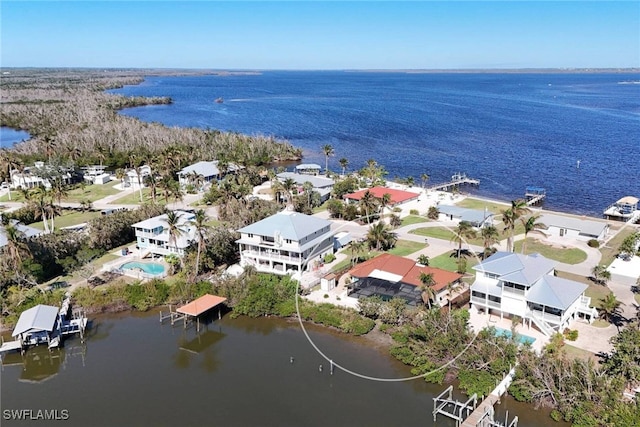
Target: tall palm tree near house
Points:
x,y
120,174
199,223
610,307
426,288
344,162
15,250
385,200
175,227
425,178
58,189
531,225
463,232
381,237
288,185
49,144
410,181
328,151
510,218
368,203
152,182
490,236
600,274
356,246
136,161
451,288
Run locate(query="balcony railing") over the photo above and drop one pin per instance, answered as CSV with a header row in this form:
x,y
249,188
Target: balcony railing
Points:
x,y
547,317
273,256
151,235
514,291
485,302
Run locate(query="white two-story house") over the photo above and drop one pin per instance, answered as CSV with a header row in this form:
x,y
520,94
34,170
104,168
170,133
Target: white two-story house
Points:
x,y
152,235
285,243
511,284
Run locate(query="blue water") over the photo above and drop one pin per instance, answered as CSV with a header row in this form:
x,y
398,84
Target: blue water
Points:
x,y
9,136
508,130
522,339
148,267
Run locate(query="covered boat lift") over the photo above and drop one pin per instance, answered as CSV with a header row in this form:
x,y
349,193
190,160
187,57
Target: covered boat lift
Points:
x,y
195,309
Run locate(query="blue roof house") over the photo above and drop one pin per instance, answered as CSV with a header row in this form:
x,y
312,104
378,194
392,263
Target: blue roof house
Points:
x,y
285,243
511,284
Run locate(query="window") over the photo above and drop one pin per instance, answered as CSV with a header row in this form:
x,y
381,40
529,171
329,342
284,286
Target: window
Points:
x,y
250,235
288,241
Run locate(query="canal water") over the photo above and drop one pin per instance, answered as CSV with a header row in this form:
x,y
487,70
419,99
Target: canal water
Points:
x,y
133,371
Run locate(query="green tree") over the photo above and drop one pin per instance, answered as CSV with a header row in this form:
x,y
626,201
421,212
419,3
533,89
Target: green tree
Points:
x,y
423,260
175,226
433,213
464,231
327,150
425,178
199,223
490,237
610,307
531,225
624,360
381,237
368,203
344,162
15,251
600,274
426,288
510,217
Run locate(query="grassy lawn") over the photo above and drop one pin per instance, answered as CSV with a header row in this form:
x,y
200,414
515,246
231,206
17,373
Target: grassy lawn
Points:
x,y
565,255
471,203
342,264
321,208
610,250
637,298
435,232
447,262
69,218
96,264
91,192
406,247
413,219
600,323
133,198
578,353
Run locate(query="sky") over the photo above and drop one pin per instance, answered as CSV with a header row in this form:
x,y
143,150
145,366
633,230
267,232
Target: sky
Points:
x,y
320,35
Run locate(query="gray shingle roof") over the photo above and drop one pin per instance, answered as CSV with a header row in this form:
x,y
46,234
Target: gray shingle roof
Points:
x,y
38,318
584,226
556,292
290,225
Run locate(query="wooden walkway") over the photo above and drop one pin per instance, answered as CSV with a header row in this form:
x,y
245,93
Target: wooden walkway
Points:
x,y
480,413
456,180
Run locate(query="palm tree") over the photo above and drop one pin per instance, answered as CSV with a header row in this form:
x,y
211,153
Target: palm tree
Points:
x,y
15,250
426,290
600,274
328,151
152,182
531,225
344,162
58,189
385,200
381,237
451,288
410,181
356,246
199,222
423,260
510,217
120,174
175,227
463,232
8,162
610,307
425,178
368,202
490,237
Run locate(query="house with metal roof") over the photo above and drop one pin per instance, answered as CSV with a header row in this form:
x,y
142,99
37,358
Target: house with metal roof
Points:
x,y
37,325
209,170
511,284
321,184
572,227
152,235
475,217
391,276
285,243
308,169
24,229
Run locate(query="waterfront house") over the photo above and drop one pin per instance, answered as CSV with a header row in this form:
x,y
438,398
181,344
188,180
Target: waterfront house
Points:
x,y
398,197
572,227
320,184
391,276
475,217
625,209
285,243
308,169
152,235
134,177
510,284
208,170
39,175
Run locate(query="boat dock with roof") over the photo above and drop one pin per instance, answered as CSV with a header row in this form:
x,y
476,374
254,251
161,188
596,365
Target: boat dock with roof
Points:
x,y
534,195
625,209
194,310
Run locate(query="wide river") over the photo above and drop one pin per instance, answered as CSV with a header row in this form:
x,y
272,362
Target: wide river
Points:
x,y
133,371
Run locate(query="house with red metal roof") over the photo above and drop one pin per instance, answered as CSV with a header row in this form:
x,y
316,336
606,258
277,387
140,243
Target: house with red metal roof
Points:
x,y
391,276
397,196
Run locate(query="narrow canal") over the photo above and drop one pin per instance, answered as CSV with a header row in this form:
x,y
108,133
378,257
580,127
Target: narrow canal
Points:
x,y
133,371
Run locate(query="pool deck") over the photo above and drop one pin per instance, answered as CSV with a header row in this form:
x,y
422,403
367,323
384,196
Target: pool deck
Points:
x,y
479,321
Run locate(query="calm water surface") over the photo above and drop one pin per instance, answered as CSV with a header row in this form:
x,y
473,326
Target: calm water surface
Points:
x,y
135,372
9,136
508,130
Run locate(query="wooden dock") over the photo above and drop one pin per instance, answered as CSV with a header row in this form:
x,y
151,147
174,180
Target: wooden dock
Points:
x,y
456,180
535,195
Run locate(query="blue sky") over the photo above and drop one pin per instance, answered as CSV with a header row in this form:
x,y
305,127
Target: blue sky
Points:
x,y
320,35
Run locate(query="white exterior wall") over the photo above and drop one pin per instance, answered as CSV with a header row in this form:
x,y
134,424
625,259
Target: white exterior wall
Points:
x,y
513,304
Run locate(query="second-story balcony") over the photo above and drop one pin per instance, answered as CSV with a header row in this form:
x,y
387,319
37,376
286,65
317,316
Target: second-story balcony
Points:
x,y
274,256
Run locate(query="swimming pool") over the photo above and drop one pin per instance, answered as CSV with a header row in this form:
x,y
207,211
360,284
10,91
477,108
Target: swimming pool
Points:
x,y
152,268
522,339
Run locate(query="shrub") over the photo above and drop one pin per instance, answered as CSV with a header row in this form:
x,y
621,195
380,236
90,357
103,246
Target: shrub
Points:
x,y
329,258
593,243
414,212
571,334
